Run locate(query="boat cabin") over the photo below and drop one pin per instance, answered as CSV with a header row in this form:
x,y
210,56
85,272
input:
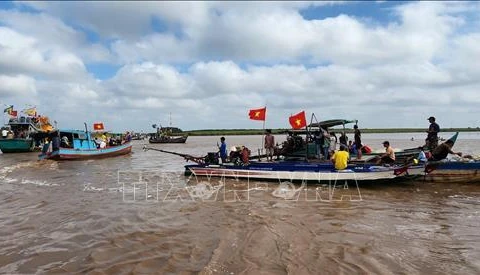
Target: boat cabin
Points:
x,y
76,139
21,128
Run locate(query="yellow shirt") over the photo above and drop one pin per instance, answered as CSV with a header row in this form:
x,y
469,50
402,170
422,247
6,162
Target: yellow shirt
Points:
x,y
340,159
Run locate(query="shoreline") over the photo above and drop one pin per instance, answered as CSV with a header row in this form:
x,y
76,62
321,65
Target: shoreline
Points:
x,y
239,132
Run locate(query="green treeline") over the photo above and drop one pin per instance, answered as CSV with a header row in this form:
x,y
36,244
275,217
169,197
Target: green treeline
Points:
x,y
219,132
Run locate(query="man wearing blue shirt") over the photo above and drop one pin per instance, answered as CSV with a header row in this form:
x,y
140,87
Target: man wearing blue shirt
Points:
x,y
223,150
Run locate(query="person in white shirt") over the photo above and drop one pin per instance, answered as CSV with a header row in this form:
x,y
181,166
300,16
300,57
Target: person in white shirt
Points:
x,y
4,133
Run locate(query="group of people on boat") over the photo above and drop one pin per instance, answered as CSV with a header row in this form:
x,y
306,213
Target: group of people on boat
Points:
x,y
339,150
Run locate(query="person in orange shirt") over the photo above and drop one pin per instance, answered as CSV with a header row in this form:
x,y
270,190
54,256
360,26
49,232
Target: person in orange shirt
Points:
x,y
389,156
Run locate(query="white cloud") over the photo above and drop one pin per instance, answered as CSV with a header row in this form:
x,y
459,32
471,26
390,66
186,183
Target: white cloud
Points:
x,y
212,61
17,86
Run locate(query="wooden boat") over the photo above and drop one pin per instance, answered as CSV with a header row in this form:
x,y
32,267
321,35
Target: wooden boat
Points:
x,y
296,171
453,171
79,145
168,139
26,135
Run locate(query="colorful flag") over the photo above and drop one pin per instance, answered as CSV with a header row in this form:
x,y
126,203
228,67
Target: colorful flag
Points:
x,y
30,111
13,113
258,114
98,126
8,110
298,121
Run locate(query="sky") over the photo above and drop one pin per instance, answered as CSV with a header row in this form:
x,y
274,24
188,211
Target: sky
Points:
x,y
206,64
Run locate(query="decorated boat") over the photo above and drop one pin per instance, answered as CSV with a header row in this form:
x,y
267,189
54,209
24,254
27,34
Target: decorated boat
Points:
x,y
24,134
79,145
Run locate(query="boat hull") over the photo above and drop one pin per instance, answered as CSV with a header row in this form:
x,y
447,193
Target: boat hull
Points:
x,y
16,145
72,154
295,172
453,172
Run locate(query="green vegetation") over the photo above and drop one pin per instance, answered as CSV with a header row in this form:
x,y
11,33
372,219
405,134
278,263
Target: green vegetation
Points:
x,y
226,132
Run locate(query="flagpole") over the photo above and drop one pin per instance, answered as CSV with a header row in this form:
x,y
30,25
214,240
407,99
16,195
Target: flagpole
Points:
x,y
263,130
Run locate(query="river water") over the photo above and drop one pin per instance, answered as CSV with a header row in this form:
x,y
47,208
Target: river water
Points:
x,y
139,214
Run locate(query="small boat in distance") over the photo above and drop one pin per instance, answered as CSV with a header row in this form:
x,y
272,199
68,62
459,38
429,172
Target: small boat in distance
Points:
x,y
165,135
79,145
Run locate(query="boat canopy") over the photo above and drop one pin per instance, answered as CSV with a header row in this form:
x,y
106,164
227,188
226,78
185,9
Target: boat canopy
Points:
x,y
323,124
332,123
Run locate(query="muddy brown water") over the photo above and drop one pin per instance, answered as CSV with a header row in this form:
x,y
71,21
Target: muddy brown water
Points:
x,y
84,217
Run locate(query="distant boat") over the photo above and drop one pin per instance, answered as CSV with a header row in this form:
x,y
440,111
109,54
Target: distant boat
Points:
x,y
79,145
25,134
164,135
168,139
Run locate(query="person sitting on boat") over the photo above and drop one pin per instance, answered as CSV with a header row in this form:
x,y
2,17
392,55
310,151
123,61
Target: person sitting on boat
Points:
x,y
340,158
442,151
103,144
245,155
422,156
223,150
128,137
65,142
352,149
389,156
10,134
4,133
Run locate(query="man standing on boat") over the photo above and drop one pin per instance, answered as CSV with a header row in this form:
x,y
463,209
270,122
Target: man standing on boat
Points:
x,y
358,141
223,150
432,137
269,144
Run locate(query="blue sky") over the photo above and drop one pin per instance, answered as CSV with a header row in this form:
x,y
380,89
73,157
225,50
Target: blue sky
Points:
x,y
131,64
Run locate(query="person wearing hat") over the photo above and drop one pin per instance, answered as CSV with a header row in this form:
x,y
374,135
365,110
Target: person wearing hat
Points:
x,y
269,144
389,156
432,134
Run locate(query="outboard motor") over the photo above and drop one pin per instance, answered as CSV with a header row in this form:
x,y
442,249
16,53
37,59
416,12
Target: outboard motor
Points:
x,y
211,158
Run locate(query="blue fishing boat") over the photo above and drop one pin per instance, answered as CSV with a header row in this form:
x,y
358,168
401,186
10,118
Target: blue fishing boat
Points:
x,y
305,171
79,145
294,171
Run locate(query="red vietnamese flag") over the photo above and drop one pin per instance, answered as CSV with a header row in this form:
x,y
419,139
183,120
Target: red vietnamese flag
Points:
x,y
298,121
98,126
258,114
